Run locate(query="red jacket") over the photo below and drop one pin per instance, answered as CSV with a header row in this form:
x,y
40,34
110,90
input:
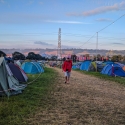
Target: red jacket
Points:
x,y
67,66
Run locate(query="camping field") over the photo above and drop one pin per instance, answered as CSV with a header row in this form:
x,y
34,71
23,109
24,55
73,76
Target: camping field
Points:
x,y
16,109
120,80
89,99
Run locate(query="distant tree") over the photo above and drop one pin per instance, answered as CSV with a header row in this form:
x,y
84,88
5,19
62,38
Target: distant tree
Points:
x,y
17,56
2,54
43,58
38,57
33,56
117,58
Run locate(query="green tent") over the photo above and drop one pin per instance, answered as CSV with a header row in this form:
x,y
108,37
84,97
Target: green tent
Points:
x,y
8,84
92,66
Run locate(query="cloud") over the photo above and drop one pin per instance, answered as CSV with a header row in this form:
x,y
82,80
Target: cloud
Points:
x,y
47,45
104,9
119,43
62,21
104,20
43,43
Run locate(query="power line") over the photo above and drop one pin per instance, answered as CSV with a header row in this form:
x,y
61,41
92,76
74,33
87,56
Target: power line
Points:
x,y
111,23
87,41
73,34
103,29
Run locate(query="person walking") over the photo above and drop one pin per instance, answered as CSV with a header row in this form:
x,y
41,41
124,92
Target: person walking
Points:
x,y
66,67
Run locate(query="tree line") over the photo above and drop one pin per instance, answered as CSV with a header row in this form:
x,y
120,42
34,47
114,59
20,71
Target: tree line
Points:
x,y
33,56
20,56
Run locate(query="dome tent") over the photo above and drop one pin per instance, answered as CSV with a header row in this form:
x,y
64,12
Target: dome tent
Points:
x,y
107,62
113,70
8,84
88,66
76,65
122,65
32,67
17,72
101,65
18,63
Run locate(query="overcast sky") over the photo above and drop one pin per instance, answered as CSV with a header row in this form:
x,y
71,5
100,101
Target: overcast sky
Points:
x,y
35,23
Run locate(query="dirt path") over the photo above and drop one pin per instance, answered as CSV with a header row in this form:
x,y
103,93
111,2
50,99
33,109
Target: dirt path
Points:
x,y
85,101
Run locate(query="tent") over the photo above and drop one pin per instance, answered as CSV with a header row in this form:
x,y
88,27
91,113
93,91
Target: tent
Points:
x,y
8,84
52,64
18,63
122,65
113,70
101,65
17,72
99,62
42,63
107,62
76,65
32,67
8,59
88,66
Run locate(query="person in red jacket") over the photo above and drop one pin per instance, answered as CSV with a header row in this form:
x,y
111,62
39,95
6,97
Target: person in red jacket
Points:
x,y
66,67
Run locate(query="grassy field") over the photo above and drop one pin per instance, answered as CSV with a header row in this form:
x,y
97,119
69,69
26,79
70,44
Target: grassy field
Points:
x,y
16,109
120,80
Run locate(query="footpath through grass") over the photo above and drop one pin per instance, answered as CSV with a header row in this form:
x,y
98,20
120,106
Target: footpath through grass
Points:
x,y
16,109
120,80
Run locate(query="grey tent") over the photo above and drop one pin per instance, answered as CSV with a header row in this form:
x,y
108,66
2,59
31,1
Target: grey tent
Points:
x,y
8,84
17,72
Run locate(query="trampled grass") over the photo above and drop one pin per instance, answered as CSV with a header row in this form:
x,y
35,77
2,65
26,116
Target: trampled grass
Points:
x,y
120,80
16,109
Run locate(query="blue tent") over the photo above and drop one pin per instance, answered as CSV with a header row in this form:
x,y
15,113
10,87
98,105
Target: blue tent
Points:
x,y
77,65
87,66
8,59
100,66
114,70
74,67
32,67
108,62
